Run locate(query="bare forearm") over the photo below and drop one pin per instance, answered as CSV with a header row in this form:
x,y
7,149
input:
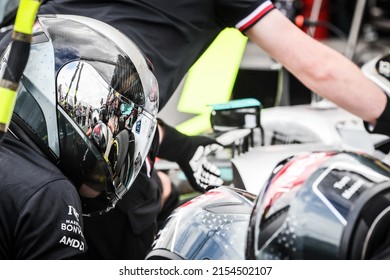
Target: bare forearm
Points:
x,y
319,67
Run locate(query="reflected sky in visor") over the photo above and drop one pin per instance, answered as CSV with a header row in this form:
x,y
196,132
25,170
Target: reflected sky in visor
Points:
x,y
78,82
82,90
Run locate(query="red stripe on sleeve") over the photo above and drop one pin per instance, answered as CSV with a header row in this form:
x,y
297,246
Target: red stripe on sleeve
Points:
x,y
256,18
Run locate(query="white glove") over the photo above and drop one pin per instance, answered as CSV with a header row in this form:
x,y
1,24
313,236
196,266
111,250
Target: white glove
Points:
x,y
206,173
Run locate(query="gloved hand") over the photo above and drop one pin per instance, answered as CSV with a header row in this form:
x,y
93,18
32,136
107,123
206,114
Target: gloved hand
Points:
x,y
382,125
198,170
191,152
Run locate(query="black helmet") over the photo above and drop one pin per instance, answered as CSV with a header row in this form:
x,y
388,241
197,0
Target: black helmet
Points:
x,y
211,226
89,99
322,205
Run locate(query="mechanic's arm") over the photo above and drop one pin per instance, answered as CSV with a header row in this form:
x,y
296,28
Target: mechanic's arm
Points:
x,y
322,69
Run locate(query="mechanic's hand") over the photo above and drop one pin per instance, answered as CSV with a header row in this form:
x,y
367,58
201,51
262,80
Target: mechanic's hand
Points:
x,y
191,152
204,172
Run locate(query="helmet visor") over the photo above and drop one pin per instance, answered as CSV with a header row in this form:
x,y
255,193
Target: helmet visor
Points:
x,y
103,125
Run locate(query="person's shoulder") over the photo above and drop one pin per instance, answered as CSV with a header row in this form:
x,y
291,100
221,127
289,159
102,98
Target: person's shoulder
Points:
x,y
25,170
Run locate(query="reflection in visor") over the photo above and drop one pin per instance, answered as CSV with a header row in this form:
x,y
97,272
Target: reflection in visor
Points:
x,y
82,92
100,107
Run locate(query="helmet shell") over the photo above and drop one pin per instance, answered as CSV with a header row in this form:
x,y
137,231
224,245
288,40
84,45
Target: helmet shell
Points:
x,y
211,226
322,205
89,99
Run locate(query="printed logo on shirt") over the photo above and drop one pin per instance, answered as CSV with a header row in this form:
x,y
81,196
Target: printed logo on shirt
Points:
x,y
73,211
72,226
73,235
72,242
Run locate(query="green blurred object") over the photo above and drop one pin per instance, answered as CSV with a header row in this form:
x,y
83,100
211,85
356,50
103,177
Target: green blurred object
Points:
x,y
211,79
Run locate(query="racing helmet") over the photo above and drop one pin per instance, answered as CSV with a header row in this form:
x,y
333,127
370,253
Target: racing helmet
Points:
x,y
89,100
322,205
211,226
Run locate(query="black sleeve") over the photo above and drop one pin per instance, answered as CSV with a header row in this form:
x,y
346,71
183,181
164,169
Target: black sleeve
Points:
x,y
50,224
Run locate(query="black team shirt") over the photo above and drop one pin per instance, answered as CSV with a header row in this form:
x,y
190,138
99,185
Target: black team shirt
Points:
x,y
40,210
